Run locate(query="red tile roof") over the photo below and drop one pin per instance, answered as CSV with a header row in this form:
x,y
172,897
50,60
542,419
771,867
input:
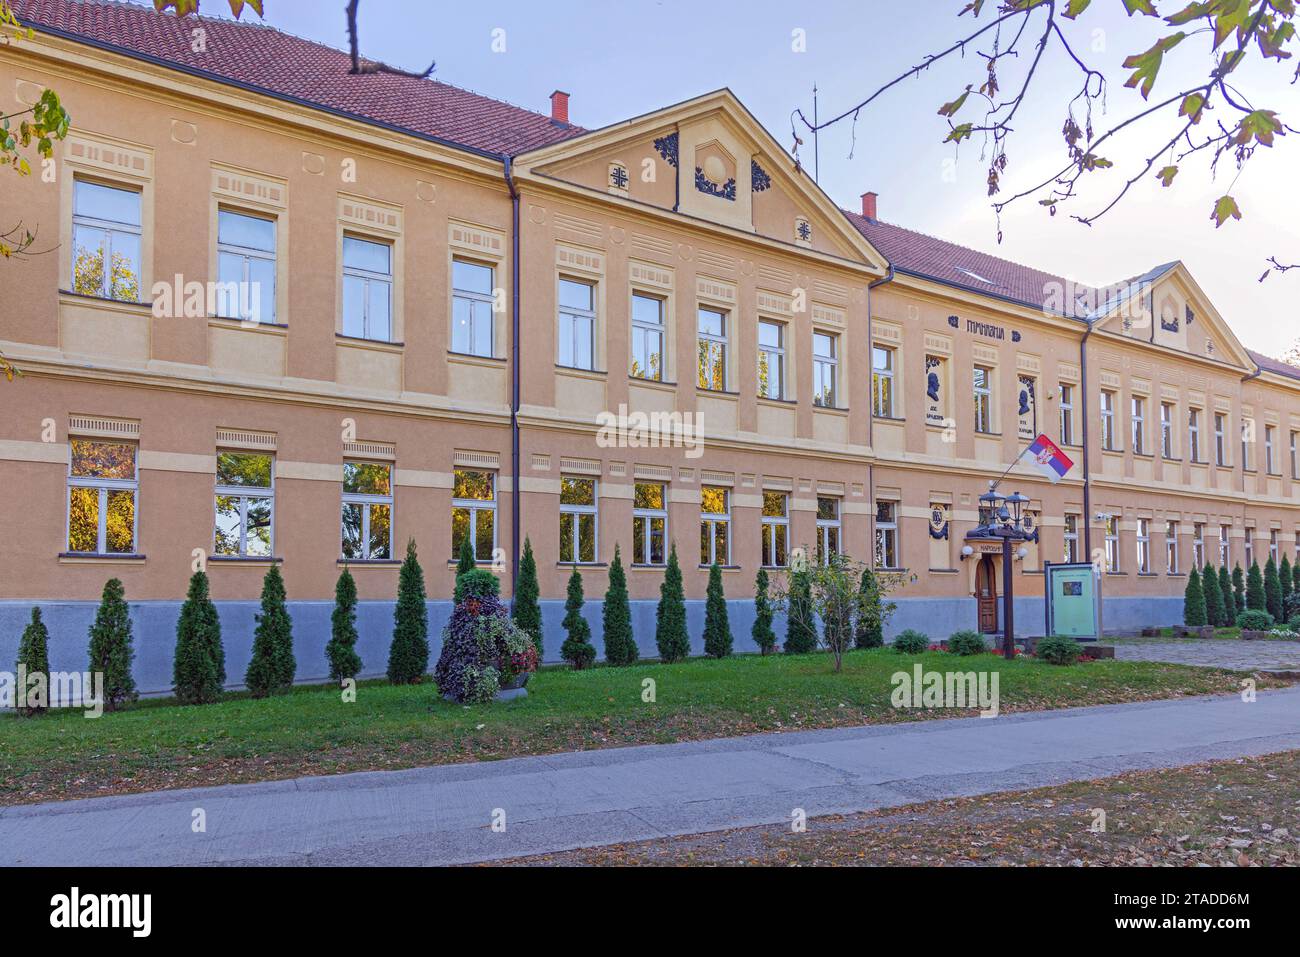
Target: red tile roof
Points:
x,y
251,54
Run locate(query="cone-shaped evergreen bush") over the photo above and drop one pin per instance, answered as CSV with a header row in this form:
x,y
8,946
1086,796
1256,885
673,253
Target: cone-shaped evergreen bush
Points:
x,y
464,563
1213,597
577,648
1256,599
1273,591
408,655
1238,590
526,610
199,666
111,650
670,617
342,648
1286,583
870,631
272,666
1295,578
34,659
800,625
717,626
762,631
1194,601
620,645
1229,602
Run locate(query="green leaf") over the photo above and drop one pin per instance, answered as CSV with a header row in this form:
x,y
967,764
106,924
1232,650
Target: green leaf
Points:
x,y
1146,66
959,133
1225,208
1166,175
948,109
1260,124
1076,7
1193,106
1140,6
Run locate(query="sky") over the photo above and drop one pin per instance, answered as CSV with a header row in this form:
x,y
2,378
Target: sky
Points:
x,y
621,59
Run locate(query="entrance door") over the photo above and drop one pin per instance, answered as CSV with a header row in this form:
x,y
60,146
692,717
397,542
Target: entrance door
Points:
x,y
986,592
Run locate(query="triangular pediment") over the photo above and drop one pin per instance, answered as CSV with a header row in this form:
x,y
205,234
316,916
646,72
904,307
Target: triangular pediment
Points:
x,y
707,159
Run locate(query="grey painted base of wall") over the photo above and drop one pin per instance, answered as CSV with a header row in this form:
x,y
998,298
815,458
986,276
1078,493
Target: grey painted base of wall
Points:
x,y
154,630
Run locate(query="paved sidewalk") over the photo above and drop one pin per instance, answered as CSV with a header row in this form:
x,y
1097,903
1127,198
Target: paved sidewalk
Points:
x,y
1234,654
443,815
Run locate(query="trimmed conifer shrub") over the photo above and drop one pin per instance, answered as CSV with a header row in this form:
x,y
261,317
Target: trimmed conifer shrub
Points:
x,y
762,632
1254,620
526,610
1285,582
800,624
910,642
111,650
717,626
620,645
870,632
341,651
967,643
1213,597
577,649
1295,578
1193,601
408,655
1256,598
1238,590
34,659
1273,591
671,637
1058,650
272,666
199,665
464,563
1229,602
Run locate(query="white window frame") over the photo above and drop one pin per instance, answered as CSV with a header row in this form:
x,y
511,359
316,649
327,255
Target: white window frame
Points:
x,y
103,486
365,500
775,356
248,253
1144,546
1112,545
882,381
983,399
1067,413
712,521
109,227
825,369
1269,463
573,515
1171,548
244,493
714,340
1250,548
1071,538
1167,413
369,276
575,324
887,536
1198,544
1139,424
1274,551
1225,545
828,527
1295,461
477,301
643,333
1108,420
474,506
647,516
771,525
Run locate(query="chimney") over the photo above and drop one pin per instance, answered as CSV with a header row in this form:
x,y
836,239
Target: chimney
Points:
x,y
869,206
560,107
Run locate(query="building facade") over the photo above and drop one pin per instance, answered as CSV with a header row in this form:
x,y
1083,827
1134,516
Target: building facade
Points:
x,y
294,315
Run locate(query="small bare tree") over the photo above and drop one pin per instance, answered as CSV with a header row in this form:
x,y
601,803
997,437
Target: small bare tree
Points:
x,y
834,595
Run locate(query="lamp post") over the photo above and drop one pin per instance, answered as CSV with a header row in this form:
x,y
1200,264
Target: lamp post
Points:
x,y
1005,519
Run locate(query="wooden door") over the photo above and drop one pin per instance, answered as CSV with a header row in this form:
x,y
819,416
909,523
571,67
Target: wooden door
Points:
x,y
986,592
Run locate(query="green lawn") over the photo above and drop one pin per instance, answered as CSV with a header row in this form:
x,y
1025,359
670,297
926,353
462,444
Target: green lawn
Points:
x,y
156,744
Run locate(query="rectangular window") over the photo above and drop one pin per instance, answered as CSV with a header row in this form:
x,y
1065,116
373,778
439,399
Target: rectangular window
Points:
x,y
886,535
1272,546
1071,539
1225,545
882,382
1194,436
713,349
367,511
1220,440
105,241
771,359
1139,425
715,525
1112,544
1067,414
647,337
245,505
578,520
1295,462
245,267
1198,545
650,523
1108,420
1167,430
367,289
1144,546
1171,549
472,305
828,528
1247,440
776,529
1269,465
474,512
102,488
825,365
1250,547
577,333
983,399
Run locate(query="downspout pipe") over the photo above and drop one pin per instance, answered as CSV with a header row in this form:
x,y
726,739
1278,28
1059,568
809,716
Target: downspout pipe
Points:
x,y
871,416
1087,445
516,498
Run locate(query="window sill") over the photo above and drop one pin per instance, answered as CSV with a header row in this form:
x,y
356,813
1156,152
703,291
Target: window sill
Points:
x,y
988,435
945,571
470,359
580,373
768,400
1116,574
478,563
1172,459
244,560
368,562
576,565
230,322
725,568
652,383
720,393
889,418
131,304
96,558
648,568
1148,574
832,409
1149,456
363,343
1174,575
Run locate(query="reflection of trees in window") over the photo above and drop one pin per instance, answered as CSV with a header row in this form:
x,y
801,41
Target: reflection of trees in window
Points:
x,y
715,525
243,522
473,512
649,523
101,497
776,529
577,520
367,511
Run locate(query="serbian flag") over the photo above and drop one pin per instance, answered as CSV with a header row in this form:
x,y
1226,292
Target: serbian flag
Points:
x,y
1049,458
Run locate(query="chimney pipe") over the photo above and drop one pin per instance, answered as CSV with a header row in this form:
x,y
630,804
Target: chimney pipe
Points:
x,y
560,107
869,206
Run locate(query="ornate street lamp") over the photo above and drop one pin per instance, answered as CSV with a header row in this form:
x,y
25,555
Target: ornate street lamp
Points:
x,y
1005,519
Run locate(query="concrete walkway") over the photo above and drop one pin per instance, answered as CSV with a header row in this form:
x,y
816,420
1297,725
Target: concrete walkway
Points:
x,y
443,815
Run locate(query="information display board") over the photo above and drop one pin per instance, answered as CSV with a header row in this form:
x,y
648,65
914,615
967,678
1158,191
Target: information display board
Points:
x,y
1073,600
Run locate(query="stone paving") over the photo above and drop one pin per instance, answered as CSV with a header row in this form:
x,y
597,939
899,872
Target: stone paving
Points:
x,y
1214,653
